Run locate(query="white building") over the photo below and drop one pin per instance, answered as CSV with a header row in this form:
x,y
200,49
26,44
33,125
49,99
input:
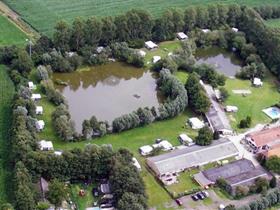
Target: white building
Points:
x,y
206,30
58,153
40,124
142,53
146,150
182,36
45,145
185,139
150,45
36,97
39,110
196,123
231,108
234,29
136,163
99,49
156,58
31,86
257,82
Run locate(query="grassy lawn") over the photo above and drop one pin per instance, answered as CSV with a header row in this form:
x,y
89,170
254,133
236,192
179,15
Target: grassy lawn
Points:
x,y
6,95
274,23
10,34
253,104
185,182
43,15
82,202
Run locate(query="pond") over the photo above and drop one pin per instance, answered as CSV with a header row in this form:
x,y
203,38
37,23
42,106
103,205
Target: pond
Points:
x,y
108,91
224,61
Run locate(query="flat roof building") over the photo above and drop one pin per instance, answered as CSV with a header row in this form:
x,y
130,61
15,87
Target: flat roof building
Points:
x,y
150,45
39,110
179,160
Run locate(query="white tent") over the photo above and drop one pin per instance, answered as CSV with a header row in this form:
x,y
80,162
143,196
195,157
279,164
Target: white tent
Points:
x,y
36,97
231,108
156,59
58,153
182,36
39,110
196,123
185,139
206,30
142,53
31,85
257,82
150,45
136,163
145,150
40,124
234,29
45,145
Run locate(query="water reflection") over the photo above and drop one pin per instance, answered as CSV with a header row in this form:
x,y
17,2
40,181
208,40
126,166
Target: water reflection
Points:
x,y
108,91
224,61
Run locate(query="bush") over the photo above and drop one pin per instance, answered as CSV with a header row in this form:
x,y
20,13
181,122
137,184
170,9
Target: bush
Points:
x,y
245,123
205,136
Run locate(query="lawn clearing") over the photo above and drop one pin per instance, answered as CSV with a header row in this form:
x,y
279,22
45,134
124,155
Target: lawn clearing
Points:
x,y
85,201
6,95
43,15
10,34
273,23
253,104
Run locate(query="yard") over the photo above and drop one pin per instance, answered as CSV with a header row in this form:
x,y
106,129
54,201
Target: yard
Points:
x,y
6,95
10,34
82,202
43,15
253,104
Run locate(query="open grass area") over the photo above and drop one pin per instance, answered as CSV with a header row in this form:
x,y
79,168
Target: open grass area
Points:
x,y
274,23
85,201
6,95
43,15
10,34
253,104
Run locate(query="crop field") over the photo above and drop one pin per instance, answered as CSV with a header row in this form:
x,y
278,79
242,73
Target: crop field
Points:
x,y
43,14
273,23
10,34
6,95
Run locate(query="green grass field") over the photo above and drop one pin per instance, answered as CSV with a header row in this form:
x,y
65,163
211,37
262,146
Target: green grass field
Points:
x,y
273,23
10,34
44,14
6,95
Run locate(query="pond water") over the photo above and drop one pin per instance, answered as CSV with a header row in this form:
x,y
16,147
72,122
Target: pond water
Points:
x,y
108,91
224,61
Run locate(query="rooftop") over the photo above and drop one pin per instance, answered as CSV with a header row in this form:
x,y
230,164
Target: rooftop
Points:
x,y
266,136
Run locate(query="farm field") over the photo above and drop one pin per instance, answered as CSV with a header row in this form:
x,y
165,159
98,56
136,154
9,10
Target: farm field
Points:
x,y
10,34
6,95
43,15
273,23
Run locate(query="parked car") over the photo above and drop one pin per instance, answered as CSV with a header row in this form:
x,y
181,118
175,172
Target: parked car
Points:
x,y
179,202
194,197
205,193
200,195
95,192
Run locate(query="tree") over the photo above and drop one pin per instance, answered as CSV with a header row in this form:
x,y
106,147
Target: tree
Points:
x,y
93,31
130,201
205,136
61,36
224,93
241,191
57,193
23,63
230,207
108,31
273,182
190,18
6,206
273,164
77,39
262,185
245,123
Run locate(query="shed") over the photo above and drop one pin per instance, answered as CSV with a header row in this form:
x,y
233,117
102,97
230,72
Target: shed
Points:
x,y
40,124
105,188
196,123
36,97
231,108
234,29
182,36
156,58
39,110
31,85
205,30
136,163
145,150
257,82
150,45
185,139
142,53
45,145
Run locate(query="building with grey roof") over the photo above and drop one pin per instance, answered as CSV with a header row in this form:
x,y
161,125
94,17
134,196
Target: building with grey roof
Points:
x,y
240,172
181,159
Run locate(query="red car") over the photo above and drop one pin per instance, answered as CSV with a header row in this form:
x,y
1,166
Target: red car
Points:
x,y
179,202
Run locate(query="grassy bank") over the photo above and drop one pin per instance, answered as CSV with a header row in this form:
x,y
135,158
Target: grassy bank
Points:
x,y
10,34
44,14
6,95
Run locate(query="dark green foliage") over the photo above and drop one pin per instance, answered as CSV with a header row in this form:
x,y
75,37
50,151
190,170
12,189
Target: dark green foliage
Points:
x,y
222,183
224,94
273,182
273,164
57,192
230,207
245,123
241,191
205,136
6,206
53,95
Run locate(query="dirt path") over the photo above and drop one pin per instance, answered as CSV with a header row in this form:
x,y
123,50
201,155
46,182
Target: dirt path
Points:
x,y
16,19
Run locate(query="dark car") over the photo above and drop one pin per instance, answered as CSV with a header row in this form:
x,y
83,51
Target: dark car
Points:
x,y
95,192
194,197
200,196
179,202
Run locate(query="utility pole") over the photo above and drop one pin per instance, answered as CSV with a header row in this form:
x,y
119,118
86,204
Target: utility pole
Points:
x,y
30,46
